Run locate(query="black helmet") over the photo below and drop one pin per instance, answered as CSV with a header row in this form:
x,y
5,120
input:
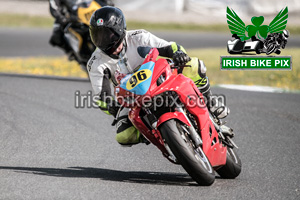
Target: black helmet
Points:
x,y
107,28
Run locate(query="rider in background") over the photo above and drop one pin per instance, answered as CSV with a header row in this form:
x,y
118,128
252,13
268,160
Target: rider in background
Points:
x,y
117,51
65,11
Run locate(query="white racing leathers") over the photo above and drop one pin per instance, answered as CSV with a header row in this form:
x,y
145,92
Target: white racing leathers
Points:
x,y
101,69
101,66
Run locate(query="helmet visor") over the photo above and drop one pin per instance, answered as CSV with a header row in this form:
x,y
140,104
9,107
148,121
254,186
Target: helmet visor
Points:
x,y
104,38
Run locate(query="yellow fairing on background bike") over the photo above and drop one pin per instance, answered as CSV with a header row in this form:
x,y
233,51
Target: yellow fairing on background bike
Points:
x,y
77,35
85,14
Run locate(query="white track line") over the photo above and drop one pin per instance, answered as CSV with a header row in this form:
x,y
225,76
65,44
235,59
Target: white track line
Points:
x,y
253,88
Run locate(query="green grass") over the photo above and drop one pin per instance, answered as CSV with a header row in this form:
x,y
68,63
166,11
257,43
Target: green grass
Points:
x,y
60,66
177,26
52,66
18,20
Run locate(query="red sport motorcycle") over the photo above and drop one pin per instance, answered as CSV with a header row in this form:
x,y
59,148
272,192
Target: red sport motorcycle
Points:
x,y
170,112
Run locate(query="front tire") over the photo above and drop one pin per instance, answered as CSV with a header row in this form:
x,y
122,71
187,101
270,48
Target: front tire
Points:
x,y
233,165
192,159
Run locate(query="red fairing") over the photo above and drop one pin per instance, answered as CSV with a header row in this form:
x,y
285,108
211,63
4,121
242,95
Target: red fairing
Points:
x,y
152,56
172,115
153,136
189,95
192,99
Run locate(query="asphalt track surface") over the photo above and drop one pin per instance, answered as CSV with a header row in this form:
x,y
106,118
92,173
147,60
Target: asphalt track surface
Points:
x,y
34,41
51,150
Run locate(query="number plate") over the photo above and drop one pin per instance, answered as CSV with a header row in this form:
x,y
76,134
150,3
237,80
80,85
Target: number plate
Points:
x,y
137,78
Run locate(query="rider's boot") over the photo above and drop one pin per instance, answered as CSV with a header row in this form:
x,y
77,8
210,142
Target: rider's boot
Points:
x,y
216,107
57,39
197,72
127,133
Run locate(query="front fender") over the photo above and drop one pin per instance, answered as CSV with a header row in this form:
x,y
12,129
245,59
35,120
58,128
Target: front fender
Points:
x,y
172,115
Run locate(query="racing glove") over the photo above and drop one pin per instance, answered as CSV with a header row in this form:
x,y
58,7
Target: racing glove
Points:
x,y
175,51
180,58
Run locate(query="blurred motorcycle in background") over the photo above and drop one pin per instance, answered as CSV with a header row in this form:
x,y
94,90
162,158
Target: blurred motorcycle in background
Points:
x,y
71,28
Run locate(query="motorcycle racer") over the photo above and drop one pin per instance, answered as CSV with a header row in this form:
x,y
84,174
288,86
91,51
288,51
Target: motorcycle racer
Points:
x,y
65,11
117,51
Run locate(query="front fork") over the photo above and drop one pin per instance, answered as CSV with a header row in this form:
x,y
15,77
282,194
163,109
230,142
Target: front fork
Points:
x,y
225,133
194,135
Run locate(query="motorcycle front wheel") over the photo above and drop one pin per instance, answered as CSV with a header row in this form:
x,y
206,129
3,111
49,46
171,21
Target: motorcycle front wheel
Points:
x,y
192,159
233,165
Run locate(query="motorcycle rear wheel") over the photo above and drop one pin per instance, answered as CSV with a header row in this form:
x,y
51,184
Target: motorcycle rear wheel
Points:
x,y
233,165
192,159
